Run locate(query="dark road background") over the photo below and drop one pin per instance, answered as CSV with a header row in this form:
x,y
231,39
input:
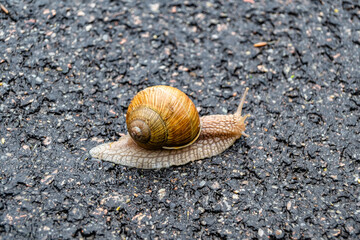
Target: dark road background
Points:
x,y
68,70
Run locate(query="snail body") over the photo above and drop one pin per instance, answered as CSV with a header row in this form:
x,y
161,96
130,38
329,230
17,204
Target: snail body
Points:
x,y
218,132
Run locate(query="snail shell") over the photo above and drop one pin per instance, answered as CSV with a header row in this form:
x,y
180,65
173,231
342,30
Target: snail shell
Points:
x,y
162,117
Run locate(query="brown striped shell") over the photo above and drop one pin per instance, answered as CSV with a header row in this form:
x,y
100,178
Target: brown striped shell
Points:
x,y
162,117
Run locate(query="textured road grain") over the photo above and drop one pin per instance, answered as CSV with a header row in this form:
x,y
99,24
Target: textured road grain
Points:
x,y
68,71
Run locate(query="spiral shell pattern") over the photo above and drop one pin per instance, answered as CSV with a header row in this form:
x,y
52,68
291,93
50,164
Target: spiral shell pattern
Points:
x,y
162,117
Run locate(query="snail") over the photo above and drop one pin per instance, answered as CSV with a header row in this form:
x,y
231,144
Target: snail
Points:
x,y
165,130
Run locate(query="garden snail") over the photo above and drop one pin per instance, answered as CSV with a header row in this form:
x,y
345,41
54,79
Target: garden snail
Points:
x,y
158,145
